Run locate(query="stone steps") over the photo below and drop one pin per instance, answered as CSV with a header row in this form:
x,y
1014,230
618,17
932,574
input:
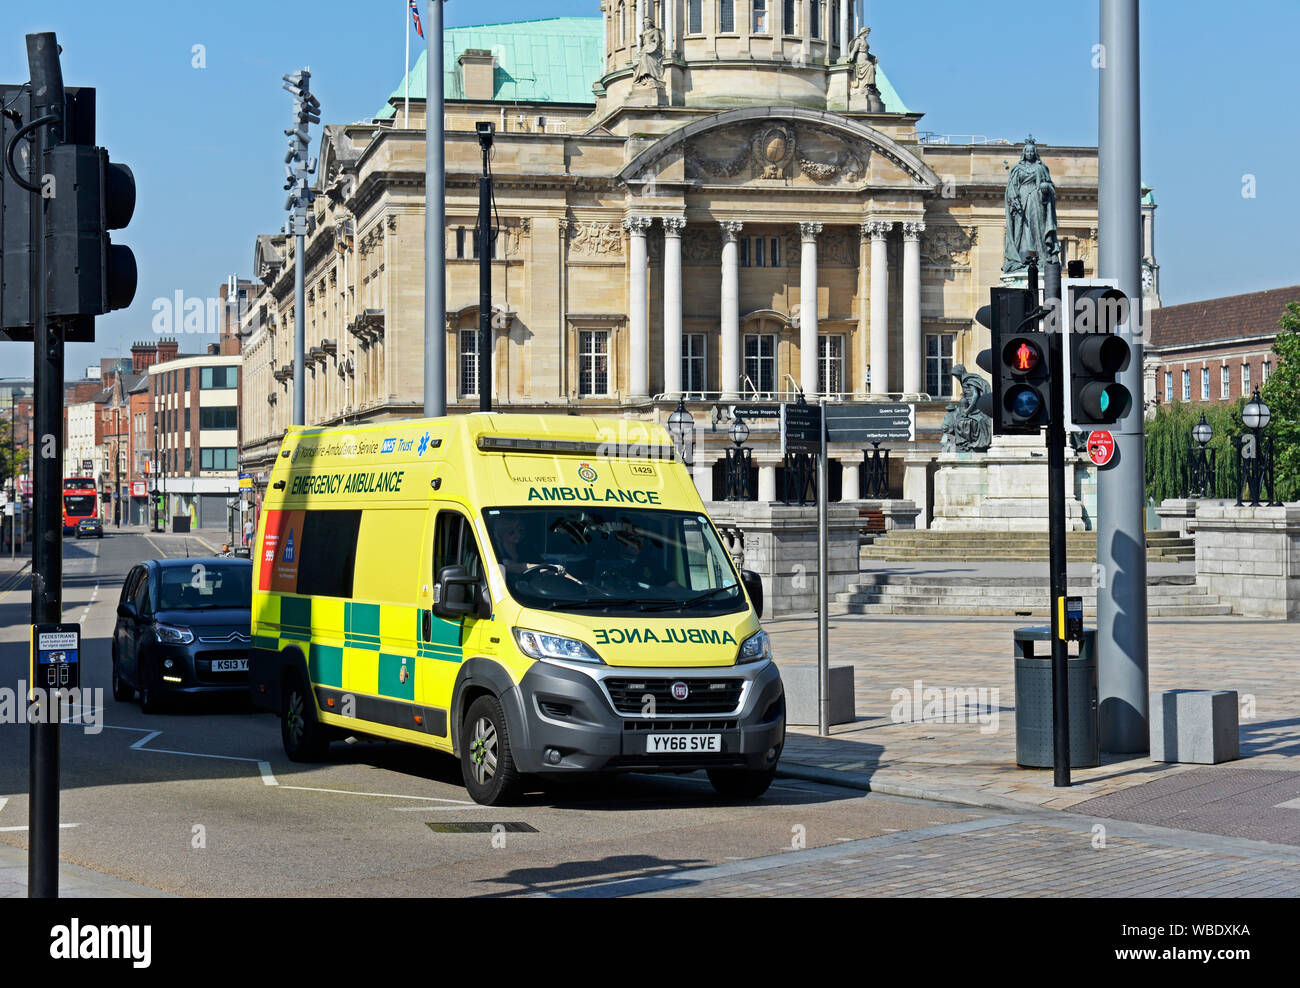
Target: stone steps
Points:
x,y
939,546
913,593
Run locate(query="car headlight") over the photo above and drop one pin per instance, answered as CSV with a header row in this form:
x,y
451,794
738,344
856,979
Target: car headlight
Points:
x,y
537,645
756,648
171,634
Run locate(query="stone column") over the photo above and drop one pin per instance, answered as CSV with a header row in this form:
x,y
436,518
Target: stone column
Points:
x,y
767,483
805,28
673,226
845,27
878,231
808,232
670,26
849,479
912,307
730,350
638,345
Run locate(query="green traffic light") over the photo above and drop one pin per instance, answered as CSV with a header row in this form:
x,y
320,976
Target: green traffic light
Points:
x,y
1105,401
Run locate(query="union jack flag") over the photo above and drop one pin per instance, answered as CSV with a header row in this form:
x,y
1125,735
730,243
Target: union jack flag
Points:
x,y
415,13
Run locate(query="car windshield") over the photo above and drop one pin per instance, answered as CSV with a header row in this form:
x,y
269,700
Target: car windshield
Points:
x,y
613,561
205,585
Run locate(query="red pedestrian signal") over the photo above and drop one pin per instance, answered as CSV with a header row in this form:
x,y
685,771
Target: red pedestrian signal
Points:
x,y
1026,357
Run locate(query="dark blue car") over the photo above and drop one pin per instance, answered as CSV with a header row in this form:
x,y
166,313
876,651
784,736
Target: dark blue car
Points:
x,y
182,630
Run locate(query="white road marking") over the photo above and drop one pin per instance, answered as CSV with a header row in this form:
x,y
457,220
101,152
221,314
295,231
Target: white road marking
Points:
x,y
14,830
3,800
383,795
432,809
1290,804
267,777
148,737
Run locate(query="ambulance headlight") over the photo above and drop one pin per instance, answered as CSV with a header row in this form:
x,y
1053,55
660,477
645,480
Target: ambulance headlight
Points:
x,y
537,645
756,648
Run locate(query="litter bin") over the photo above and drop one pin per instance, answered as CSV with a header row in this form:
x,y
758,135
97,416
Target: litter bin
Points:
x,y
180,523
1034,741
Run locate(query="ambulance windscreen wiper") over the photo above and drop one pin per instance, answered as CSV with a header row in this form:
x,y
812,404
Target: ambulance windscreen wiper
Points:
x,y
642,602
681,605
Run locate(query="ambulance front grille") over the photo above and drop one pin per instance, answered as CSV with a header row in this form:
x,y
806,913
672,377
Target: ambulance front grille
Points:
x,y
654,697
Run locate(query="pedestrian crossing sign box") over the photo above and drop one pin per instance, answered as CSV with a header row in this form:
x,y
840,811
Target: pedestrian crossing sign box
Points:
x,y
56,656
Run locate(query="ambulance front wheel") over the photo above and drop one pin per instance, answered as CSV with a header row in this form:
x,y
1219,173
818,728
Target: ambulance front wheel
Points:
x,y
485,759
305,738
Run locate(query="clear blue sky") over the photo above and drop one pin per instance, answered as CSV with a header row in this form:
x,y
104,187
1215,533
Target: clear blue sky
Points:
x,y
206,145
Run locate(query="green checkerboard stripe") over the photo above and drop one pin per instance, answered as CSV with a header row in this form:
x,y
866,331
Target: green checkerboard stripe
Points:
x,y
325,663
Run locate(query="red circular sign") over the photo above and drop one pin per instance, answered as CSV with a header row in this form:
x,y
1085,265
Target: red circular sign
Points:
x,y
1101,447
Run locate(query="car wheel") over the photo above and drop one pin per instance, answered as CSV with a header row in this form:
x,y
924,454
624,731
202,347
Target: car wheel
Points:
x,y
740,783
122,692
305,738
486,763
151,700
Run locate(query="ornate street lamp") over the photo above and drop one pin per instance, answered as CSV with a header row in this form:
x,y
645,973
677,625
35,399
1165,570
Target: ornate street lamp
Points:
x,y
1255,454
681,426
1201,465
738,462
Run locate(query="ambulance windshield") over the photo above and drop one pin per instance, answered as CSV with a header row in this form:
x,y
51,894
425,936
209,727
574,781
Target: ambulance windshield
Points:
x,y
613,560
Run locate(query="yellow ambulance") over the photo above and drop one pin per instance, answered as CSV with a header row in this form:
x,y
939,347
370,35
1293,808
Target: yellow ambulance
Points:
x,y
541,596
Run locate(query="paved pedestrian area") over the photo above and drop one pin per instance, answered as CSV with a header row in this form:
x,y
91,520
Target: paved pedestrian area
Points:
x,y
1063,856
905,741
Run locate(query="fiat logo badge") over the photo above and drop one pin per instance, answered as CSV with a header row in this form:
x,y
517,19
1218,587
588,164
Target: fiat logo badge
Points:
x,y
680,690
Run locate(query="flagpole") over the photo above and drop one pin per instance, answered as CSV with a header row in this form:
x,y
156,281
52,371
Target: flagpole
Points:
x,y
406,79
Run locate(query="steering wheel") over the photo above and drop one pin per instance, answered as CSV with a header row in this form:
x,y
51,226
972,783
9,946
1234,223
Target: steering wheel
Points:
x,y
543,569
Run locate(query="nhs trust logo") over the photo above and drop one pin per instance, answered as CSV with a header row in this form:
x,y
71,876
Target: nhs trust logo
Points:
x,y
389,445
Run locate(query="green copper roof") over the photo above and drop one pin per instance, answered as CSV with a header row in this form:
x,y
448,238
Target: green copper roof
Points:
x,y
1148,196
554,61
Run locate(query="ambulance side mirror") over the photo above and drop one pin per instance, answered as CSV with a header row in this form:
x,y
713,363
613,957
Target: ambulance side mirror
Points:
x,y
754,587
455,594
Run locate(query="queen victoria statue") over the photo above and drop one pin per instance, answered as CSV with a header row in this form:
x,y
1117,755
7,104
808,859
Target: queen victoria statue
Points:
x,y
1031,212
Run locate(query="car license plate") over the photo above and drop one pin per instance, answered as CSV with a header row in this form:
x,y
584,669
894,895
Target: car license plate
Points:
x,y
682,744
230,665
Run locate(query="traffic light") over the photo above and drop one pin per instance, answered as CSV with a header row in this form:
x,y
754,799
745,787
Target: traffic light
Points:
x,y
83,195
1096,353
90,195
1017,362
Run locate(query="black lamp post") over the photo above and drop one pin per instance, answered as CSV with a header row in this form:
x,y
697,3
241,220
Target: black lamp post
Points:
x,y
1201,465
1255,454
738,462
681,426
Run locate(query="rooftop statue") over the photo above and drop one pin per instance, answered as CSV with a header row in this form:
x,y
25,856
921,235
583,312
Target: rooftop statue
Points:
x,y
1031,212
650,66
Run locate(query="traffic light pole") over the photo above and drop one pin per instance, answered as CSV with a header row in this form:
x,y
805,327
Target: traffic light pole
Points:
x,y
1122,675
1057,562
486,242
46,466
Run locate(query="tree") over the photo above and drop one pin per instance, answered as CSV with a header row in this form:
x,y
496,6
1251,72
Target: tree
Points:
x,y
1282,395
1169,448
7,470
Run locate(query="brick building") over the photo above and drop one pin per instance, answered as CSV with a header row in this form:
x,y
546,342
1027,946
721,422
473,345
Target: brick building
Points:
x,y
1215,350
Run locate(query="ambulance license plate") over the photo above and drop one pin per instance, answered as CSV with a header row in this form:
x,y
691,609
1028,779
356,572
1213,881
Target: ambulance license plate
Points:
x,y
682,744
230,665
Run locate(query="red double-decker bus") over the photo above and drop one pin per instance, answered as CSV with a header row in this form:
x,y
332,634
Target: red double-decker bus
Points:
x,y
79,501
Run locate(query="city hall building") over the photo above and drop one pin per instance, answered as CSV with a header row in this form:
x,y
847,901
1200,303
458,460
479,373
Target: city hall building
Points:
x,y
708,199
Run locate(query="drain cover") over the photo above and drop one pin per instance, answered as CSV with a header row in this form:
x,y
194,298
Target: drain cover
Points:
x,y
479,827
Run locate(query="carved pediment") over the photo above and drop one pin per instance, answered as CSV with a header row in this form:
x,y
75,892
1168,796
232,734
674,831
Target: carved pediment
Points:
x,y
794,145
776,150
